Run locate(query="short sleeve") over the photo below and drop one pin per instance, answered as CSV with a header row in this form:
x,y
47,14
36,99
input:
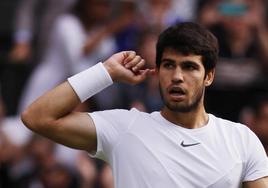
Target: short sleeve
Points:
x,y
110,124
256,160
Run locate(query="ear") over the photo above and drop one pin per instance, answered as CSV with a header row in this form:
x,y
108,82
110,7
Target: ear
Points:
x,y
209,77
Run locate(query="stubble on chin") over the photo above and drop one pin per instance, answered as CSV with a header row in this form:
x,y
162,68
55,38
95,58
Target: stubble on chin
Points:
x,y
182,107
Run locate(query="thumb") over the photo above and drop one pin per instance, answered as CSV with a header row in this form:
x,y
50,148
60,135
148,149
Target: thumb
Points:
x,y
147,71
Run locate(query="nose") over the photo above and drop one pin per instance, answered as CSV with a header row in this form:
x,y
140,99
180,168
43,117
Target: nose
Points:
x,y
177,76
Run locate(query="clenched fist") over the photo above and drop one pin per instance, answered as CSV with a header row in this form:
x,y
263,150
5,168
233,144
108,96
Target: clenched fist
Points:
x,y
127,67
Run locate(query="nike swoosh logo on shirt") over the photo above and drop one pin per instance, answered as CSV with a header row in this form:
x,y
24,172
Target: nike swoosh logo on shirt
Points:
x,y
188,145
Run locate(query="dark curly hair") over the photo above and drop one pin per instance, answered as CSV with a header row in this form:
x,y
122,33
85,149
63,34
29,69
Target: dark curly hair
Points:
x,y
189,38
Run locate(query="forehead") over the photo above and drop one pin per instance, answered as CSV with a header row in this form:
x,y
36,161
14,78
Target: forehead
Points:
x,y
171,54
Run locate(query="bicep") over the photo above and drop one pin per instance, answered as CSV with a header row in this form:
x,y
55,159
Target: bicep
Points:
x,y
76,130
259,183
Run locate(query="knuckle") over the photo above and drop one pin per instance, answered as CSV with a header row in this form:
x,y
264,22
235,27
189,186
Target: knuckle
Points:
x,y
139,57
142,62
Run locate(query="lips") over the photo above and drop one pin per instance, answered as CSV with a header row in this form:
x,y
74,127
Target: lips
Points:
x,y
176,93
176,90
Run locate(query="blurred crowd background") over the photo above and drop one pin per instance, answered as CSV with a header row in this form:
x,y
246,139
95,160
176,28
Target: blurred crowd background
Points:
x,y
43,42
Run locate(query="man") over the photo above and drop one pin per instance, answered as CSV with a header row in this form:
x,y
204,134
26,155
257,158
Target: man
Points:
x,y
181,146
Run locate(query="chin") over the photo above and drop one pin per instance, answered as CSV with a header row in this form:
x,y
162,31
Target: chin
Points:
x,y
179,107
182,106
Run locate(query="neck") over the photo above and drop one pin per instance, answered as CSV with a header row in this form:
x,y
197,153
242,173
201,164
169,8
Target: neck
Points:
x,y
194,119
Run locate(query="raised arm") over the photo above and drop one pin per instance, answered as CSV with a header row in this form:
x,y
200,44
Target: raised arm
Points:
x,y
52,114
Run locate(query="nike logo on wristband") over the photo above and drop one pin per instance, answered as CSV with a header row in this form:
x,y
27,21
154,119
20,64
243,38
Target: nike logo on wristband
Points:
x,y
188,145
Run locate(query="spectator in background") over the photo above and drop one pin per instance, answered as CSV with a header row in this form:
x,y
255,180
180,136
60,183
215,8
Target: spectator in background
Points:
x,y
35,166
57,176
12,162
32,26
106,177
149,14
87,171
261,122
241,29
127,13
6,152
163,13
79,39
158,14
256,117
185,9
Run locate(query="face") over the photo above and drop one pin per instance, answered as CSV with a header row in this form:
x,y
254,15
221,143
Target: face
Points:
x,y
182,81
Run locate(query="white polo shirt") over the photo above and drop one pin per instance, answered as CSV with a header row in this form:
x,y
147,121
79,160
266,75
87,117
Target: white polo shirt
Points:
x,y
147,151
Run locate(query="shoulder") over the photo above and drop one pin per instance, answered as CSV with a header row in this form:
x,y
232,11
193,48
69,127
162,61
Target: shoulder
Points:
x,y
229,125
238,136
230,129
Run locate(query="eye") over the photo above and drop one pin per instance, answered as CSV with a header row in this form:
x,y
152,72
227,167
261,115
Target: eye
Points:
x,y
190,66
168,65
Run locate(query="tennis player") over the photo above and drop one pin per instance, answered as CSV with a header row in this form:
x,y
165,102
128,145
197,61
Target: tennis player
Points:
x,y
181,146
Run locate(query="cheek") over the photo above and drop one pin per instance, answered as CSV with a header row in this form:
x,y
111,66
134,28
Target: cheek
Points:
x,y
164,79
161,84
195,85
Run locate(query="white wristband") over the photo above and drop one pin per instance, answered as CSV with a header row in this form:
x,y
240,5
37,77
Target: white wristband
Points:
x,y
90,81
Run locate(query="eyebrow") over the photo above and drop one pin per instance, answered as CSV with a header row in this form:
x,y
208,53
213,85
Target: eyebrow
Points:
x,y
190,62
182,62
168,60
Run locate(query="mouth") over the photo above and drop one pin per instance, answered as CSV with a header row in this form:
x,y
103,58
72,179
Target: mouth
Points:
x,y
176,93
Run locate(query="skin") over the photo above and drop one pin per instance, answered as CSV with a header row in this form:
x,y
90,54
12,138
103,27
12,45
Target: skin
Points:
x,y
185,73
53,116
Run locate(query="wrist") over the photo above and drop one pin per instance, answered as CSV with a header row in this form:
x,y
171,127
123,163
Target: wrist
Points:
x,y
109,70
90,81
